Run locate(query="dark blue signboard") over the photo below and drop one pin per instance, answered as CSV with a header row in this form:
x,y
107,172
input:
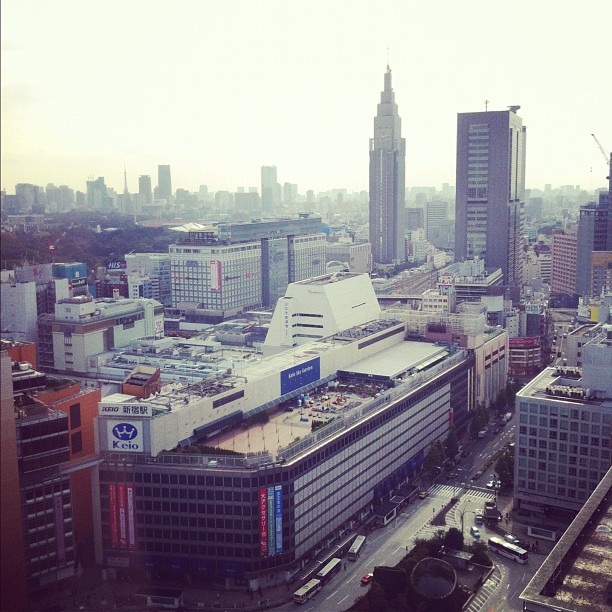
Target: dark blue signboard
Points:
x,y
299,375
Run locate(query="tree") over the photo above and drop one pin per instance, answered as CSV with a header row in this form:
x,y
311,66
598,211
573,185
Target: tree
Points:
x,y
504,468
480,550
434,457
454,539
451,444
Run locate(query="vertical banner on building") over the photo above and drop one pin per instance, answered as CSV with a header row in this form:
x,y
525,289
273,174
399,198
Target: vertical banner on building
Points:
x,y
278,517
271,548
263,521
122,516
60,536
114,525
215,275
129,489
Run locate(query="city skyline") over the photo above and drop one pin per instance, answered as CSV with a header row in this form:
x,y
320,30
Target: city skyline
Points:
x,y
218,90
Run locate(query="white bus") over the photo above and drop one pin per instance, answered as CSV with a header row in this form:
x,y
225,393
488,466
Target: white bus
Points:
x,y
512,551
356,548
304,593
330,570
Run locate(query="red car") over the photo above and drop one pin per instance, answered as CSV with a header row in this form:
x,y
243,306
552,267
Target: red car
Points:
x,y
367,579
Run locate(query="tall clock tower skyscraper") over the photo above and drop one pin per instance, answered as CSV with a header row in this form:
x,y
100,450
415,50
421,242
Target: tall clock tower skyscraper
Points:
x,y
387,180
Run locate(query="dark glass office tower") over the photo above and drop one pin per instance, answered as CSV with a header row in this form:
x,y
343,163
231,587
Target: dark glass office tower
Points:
x,y
387,180
490,197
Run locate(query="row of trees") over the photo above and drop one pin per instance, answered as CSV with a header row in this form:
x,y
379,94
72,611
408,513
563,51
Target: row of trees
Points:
x,y
439,451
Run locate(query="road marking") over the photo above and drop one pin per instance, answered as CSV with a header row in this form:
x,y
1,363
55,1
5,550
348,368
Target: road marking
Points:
x,y
332,594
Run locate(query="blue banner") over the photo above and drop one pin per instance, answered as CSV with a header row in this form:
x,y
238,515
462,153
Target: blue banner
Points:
x,y
278,517
271,530
300,375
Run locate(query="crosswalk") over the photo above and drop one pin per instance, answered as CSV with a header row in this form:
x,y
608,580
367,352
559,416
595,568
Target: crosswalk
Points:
x,y
447,491
485,592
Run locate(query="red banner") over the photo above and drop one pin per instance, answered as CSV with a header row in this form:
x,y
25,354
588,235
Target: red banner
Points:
x,y
122,515
263,521
130,516
114,525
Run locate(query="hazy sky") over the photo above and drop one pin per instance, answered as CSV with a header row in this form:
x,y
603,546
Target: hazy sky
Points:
x,y
219,88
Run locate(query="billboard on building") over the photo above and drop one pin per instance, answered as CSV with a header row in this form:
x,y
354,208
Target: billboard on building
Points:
x,y
124,410
131,522
125,436
300,375
271,530
122,515
278,517
263,521
215,275
531,342
113,515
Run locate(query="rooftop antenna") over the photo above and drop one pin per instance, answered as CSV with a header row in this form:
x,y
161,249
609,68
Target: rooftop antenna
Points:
x,y
388,58
486,105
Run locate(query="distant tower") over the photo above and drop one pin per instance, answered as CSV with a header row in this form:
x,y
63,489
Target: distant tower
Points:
x,y
125,187
164,182
144,188
268,188
387,180
490,194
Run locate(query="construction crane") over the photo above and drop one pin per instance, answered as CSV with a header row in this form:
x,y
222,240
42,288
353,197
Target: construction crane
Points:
x,y
603,152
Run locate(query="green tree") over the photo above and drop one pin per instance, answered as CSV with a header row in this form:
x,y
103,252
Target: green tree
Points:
x,y
451,444
434,457
454,539
480,551
504,468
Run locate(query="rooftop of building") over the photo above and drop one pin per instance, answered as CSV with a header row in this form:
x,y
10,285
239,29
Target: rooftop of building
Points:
x,y
564,383
575,577
327,279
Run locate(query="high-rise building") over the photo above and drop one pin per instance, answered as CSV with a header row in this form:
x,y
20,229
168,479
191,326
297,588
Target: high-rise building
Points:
x,y
269,186
415,219
164,182
144,188
594,235
221,271
563,431
149,276
387,180
96,193
490,196
563,268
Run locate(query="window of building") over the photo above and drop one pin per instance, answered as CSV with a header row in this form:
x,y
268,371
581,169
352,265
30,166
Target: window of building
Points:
x,y
76,442
75,416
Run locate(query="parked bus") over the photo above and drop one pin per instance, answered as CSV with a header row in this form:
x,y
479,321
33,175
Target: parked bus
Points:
x,y
330,570
512,551
304,593
356,548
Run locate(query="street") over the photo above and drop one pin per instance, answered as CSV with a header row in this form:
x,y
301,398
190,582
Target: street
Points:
x,y
387,545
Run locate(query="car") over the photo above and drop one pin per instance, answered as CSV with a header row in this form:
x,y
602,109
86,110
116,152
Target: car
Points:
x,y
475,532
478,518
423,494
490,505
496,431
367,579
465,453
451,475
511,538
477,475
490,484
